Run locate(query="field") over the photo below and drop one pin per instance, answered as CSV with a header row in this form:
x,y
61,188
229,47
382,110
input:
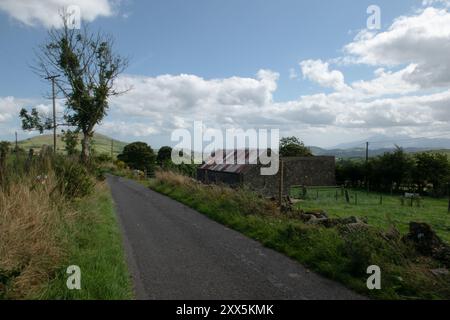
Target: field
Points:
x,y
101,143
390,211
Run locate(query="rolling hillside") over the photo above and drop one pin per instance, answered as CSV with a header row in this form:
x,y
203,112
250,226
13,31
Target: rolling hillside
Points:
x,y
101,143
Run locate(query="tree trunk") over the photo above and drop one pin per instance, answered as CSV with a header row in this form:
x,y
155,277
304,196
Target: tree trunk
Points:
x,y
85,147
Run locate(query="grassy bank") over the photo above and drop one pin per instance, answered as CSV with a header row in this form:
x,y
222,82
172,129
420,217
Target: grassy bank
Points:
x,y
94,244
337,253
53,215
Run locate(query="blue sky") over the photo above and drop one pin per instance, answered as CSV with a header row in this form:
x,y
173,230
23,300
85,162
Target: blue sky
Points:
x,y
221,46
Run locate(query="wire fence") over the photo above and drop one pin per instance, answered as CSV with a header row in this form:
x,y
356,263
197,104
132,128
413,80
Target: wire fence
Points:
x,y
340,194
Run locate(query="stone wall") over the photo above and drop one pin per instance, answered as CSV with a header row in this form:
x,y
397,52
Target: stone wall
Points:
x,y
307,171
218,177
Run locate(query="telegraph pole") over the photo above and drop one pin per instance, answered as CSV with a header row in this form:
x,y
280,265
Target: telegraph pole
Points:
x,y
112,150
367,166
52,78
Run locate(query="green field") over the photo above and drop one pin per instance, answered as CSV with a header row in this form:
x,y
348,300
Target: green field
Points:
x,y
391,211
101,143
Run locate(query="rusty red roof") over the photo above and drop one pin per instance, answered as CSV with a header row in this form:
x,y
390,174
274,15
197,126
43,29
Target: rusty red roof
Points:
x,y
232,161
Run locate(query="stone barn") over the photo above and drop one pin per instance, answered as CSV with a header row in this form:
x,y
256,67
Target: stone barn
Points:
x,y
306,171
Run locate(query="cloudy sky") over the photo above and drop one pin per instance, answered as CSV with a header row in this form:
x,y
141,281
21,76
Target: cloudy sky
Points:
x,y
310,68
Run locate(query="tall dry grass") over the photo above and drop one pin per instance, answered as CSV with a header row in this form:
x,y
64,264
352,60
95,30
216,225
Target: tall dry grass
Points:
x,y
31,247
243,200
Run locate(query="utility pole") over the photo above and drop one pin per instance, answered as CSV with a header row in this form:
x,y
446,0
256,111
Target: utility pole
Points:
x,y
367,166
367,152
112,150
52,78
281,183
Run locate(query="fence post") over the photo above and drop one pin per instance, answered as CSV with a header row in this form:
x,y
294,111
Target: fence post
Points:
x,y
449,205
347,197
356,198
281,182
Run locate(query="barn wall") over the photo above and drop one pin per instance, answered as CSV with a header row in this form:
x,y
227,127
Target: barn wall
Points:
x,y
307,171
217,177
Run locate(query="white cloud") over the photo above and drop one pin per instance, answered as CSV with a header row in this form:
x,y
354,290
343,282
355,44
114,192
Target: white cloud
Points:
x,y
422,39
170,97
128,129
10,107
318,71
164,103
387,83
47,12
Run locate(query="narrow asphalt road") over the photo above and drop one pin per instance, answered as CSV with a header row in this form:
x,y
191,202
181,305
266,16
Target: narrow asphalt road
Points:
x,y
176,253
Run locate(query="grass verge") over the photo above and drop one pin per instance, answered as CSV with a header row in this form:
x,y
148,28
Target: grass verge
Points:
x,y
94,244
52,216
337,253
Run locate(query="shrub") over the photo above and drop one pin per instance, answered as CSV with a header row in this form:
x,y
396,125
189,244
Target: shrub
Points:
x,y
103,158
74,180
139,156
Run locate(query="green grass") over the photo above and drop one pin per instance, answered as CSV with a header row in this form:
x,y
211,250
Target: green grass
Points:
x,y
331,252
101,143
432,211
95,246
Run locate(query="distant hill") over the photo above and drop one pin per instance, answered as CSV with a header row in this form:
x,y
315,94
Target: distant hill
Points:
x,y
101,143
388,142
360,153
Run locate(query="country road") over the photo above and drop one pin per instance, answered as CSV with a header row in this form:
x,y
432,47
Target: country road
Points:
x,y
175,253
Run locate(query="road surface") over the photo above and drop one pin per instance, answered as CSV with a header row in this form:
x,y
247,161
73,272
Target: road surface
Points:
x,y
176,253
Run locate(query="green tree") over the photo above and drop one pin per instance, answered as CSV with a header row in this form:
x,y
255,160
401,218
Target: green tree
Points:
x,y
164,155
293,147
70,138
350,172
432,168
138,155
87,67
392,169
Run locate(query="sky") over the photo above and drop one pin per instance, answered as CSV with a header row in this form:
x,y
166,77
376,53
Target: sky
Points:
x,y
312,69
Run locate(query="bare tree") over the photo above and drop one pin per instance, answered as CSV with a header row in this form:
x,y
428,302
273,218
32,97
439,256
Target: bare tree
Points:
x,y
88,68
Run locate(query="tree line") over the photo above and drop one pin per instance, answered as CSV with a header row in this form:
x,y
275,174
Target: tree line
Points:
x,y
141,156
426,173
